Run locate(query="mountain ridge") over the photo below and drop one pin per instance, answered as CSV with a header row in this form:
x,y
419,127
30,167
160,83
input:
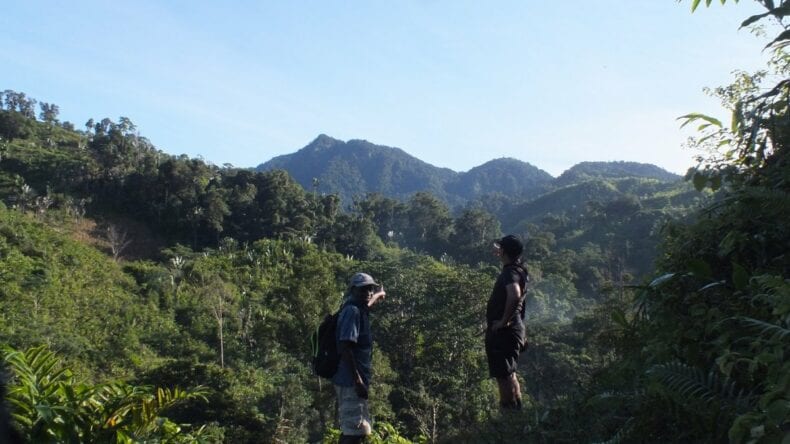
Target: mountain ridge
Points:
x,y
356,167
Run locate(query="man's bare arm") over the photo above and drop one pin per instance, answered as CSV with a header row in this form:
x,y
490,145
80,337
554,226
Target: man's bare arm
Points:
x,y
347,354
513,295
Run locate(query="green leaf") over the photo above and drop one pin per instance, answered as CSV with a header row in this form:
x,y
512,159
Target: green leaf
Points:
x,y
712,285
715,182
45,412
767,330
737,118
781,11
698,116
694,5
783,36
728,244
700,268
766,358
740,277
618,316
740,427
661,280
753,19
699,181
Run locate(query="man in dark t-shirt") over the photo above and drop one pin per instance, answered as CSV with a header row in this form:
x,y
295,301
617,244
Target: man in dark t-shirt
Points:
x,y
355,345
504,319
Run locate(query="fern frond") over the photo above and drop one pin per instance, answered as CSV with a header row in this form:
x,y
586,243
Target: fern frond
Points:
x,y
684,382
772,332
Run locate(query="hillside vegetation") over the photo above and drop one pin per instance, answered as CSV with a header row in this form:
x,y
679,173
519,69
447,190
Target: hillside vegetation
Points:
x,y
658,310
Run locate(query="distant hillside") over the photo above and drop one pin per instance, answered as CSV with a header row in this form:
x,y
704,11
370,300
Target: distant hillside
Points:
x,y
507,176
357,167
573,200
613,170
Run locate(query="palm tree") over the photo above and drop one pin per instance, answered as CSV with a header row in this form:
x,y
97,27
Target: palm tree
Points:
x,y
49,406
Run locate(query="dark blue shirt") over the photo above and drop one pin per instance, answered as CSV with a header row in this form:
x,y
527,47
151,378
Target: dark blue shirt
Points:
x,y
353,325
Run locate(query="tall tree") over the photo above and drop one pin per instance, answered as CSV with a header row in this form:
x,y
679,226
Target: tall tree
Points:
x,y
430,224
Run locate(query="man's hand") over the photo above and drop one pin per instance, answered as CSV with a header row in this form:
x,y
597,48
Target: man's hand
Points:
x,y
361,389
380,294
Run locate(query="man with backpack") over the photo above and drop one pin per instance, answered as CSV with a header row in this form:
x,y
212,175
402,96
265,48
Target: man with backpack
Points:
x,y
355,348
505,333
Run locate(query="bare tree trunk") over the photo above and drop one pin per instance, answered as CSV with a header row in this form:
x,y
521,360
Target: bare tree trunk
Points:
x,y
221,345
219,316
118,240
218,310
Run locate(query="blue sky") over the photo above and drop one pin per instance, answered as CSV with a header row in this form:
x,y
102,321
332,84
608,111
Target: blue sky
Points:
x,y
455,83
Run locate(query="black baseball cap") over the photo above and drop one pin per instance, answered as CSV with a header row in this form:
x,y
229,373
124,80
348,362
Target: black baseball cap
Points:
x,y
511,245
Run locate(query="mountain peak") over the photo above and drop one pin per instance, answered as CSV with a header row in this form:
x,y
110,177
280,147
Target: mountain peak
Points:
x,y
504,162
322,142
589,170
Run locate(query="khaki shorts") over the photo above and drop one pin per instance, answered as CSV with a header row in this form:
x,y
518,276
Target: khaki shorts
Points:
x,y
352,411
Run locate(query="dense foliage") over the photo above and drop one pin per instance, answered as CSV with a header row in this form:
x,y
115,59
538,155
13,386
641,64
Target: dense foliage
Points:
x,y
158,298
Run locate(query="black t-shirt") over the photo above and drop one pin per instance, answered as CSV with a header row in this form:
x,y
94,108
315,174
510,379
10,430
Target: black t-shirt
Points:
x,y
496,303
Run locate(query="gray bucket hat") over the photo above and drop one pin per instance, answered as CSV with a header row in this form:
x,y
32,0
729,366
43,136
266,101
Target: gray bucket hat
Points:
x,y
362,280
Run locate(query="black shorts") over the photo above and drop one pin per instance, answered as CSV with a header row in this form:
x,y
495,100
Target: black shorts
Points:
x,y
502,349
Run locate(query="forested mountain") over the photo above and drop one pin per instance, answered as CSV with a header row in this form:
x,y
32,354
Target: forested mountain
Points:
x,y
506,176
357,167
146,297
613,170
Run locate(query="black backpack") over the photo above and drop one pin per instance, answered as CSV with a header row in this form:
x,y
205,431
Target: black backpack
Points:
x,y
323,341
